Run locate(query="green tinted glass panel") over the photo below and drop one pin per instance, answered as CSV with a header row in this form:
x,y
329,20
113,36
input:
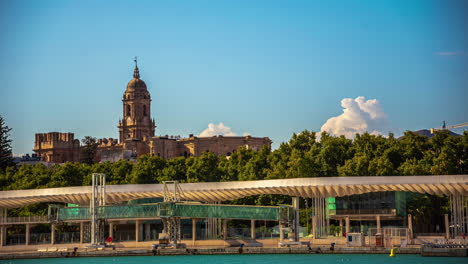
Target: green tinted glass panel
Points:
x,y
175,210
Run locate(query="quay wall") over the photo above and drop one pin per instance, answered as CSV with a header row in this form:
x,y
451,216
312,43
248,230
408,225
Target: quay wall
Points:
x,y
200,251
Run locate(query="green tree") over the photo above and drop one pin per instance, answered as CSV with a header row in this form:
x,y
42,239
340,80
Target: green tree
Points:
x,y
448,154
103,167
357,166
148,169
89,150
244,164
289,160
5,146
203,168
31,177
257,166
381,166
68,174
333,152
175,170
413,145
415,167
464,156
120,170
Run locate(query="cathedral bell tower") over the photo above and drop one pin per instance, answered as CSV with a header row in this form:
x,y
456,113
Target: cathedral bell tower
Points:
x,y
136,122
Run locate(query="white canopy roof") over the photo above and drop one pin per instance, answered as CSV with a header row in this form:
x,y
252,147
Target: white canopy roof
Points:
x,y
222,191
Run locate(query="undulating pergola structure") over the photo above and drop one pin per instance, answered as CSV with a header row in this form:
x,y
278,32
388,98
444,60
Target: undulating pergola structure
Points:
x,y
454,186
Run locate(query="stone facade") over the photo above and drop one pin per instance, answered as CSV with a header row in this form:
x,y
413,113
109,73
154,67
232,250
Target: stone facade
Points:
x,y
168,148
136,136
57,147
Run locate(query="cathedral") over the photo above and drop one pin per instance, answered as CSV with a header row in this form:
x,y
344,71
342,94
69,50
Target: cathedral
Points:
x,y
137,136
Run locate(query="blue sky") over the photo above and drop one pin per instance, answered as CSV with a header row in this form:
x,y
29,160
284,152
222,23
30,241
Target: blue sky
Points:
x,y
268,68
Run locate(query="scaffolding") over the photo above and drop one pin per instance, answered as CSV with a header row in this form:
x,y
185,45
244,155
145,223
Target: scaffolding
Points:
x,y
172,193
98,199
171,211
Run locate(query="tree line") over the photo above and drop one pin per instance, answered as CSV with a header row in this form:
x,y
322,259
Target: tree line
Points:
x,y
306,154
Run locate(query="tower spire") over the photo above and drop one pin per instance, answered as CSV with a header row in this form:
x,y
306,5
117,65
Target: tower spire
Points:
x,y
136,72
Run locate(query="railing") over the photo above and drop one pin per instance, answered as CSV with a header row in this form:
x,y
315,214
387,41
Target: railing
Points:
x,y
68,237
44,238
244,233
19,239
23,219
39,238
365,211
121,236
429,235
389,232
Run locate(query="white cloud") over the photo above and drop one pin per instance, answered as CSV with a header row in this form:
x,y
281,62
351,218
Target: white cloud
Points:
x,y
359,116
215,130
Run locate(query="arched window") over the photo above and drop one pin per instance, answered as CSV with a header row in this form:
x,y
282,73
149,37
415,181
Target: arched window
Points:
x,y
144,110
128,110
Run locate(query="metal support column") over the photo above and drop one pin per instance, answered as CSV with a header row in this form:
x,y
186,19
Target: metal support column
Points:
x,y
377,219
194,230
341,226
447,226
3,215
296,225
137,230
111,229
52,234
314,226
3,229
2,235
347,223
28,234
252,229
410,227
81,232
281,231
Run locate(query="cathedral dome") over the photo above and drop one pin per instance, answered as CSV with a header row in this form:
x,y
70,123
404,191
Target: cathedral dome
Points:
x,y
136,83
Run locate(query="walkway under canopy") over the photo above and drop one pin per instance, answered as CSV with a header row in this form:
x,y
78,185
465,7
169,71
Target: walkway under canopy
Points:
x,y
223,191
